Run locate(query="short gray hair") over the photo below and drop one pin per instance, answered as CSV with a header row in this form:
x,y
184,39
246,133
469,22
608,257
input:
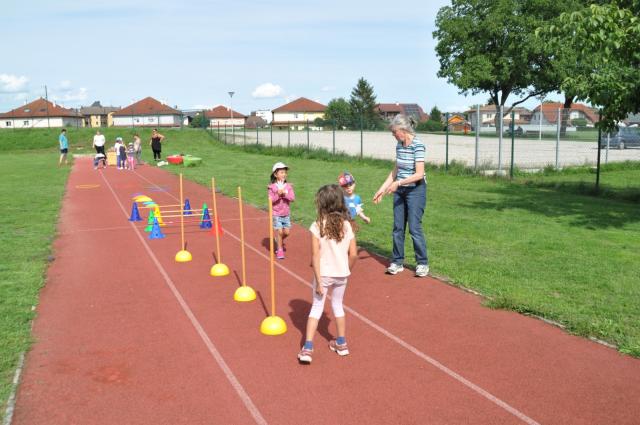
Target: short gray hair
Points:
x,y
402,122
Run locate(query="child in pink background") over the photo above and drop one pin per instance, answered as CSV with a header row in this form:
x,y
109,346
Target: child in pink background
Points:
x,y
334,252
281,195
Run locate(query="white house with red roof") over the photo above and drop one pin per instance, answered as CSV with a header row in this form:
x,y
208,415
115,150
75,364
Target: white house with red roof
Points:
x,y
298,113
549,113
147,112
223,116
40,114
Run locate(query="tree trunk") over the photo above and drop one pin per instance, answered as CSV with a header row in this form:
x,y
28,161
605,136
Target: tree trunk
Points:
x,y
564,115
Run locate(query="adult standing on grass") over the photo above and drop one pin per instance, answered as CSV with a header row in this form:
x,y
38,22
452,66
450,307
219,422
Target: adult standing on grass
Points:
x,y
64,147
156,144
137,147
408,184
98,143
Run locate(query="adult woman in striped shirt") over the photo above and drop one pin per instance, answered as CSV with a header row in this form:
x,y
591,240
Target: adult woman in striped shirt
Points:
x,y
408,184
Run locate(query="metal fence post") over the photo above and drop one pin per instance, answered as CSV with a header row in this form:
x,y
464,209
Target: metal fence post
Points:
x,y
599,149
308,143
500,129
558,138
288,134
244,134
513,138
446,143
271,133
257,134
475,163
606,152
361,142
334,137
225,132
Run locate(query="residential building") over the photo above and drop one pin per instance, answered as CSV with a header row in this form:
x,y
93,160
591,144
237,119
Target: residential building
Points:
x,y
265,114
40,113
298,114
97,115
458,122
388,111
549,114
522,116
147,112
223,116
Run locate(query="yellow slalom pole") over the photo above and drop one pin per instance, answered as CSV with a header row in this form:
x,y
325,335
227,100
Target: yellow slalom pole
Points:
x,y
243,293
183,255
272,325
218,269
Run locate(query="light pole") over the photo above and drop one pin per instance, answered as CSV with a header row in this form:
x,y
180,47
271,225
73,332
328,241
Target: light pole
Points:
x,y
231,93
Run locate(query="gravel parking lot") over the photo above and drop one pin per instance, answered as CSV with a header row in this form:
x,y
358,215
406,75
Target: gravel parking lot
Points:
x,y
528,153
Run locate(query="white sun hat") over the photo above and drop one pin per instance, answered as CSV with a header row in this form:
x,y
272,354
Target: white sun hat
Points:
x,y
278,165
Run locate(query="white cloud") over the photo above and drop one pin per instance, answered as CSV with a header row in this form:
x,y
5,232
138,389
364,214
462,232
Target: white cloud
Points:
x,y
71,95
328,88
267,90
13,83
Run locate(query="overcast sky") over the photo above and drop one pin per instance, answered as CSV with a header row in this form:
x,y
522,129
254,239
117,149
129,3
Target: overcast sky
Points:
x,y
267,52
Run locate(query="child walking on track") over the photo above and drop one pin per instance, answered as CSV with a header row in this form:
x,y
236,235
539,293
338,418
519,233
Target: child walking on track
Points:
x,y
334,252
281,195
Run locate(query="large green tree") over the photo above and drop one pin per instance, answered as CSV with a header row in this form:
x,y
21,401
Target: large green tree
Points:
x,y
490,46
338,111
606,40
363,106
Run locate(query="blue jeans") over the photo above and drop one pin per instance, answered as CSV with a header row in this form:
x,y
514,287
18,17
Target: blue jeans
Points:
x,y
408,207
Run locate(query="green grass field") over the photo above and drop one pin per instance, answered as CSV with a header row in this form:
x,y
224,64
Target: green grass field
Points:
x,y
542,244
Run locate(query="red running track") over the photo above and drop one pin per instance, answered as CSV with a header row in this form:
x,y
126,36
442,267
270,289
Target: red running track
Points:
x,y
125,335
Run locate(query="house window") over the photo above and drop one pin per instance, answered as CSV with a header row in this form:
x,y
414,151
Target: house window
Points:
x,y
25,122
295,116
8,123
150,119
136,120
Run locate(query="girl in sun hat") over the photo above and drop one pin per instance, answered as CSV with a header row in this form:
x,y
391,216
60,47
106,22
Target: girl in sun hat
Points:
x,y
281,195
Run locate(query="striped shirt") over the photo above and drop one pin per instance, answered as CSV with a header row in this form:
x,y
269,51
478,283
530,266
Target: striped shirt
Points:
x,y
406,158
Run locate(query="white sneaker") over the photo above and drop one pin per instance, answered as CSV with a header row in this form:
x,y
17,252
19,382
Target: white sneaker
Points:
x,y
422,270
395,268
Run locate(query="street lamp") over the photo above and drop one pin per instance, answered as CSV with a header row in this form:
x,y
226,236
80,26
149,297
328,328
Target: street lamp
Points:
x,y
231,93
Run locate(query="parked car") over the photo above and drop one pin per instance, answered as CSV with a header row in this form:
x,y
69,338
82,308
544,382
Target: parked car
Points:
x,y
626,137
519,131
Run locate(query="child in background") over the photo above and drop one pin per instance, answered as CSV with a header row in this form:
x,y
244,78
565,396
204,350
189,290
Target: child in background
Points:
x,y
131,157
334,252
353,201
281,195
119,148
99,158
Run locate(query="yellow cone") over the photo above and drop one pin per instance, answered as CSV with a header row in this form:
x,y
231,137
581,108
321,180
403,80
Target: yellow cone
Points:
x,y
219,269
244,294
183,256
273,325
158,215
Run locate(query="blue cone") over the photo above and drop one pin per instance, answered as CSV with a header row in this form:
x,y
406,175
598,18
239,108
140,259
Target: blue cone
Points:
x,y
187,207
205,223
135,215
156,233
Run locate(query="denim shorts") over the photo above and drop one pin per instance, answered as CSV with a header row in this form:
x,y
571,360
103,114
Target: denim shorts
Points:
x,y
281,222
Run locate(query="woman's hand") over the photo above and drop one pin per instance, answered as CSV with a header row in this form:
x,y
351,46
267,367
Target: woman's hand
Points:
x,y
319,289
378,196
393,187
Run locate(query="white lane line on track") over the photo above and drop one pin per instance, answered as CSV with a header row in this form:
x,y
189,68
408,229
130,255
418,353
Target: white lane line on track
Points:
x,y
244,396
481,391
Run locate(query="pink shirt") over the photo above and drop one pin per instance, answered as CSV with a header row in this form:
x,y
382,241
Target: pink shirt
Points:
x,y
281,202
334,256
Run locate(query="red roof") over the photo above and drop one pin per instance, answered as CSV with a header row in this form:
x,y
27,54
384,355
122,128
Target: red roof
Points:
x,y
390,107
147,106
301,105
550,111
39,108
222,112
